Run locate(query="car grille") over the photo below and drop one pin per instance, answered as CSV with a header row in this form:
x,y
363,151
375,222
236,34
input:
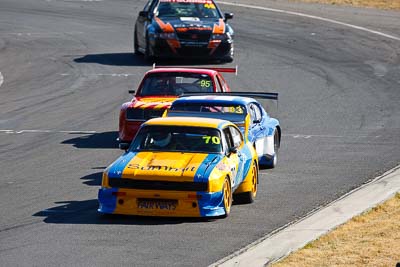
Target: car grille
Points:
x,y
143,114
200,37
158,185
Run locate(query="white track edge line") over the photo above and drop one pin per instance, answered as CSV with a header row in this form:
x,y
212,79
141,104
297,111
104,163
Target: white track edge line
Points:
x,y
1,79
313,17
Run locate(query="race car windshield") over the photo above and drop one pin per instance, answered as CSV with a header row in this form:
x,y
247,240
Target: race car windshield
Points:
x,y
177,138
231,112
187,9
175,83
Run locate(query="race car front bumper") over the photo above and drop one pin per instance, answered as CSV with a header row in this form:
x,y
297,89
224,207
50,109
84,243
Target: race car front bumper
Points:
x,y
160,203
161,48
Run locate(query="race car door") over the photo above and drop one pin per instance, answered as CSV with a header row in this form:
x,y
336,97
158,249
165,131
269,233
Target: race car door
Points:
x,y
234,140
256,129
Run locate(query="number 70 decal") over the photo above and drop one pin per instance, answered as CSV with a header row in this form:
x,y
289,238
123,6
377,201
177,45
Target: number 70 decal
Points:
x,y
214,139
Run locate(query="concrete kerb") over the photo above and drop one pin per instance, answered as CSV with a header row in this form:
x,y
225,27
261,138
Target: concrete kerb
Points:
x,y
296,235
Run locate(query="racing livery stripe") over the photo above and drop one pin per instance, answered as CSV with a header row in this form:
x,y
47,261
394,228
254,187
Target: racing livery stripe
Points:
x,y
138,104
108,201
161,106
206,167
119,165
164,166
165,27
219,28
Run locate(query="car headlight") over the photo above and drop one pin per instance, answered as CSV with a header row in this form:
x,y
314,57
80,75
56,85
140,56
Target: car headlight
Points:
x,y
165,35
219,36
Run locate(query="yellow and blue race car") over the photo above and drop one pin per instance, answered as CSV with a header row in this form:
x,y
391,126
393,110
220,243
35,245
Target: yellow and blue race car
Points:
x,y
181,166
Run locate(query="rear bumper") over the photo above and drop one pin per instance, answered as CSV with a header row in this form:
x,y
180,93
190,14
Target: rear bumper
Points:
x,y
189,204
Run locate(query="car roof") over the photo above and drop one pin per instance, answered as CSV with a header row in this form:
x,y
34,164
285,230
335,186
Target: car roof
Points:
x,y
188,121
187,70
221,99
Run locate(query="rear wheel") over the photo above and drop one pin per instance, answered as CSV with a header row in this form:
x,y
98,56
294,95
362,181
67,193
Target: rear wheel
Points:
x,y
227,196
135,44
274,161
147,53
248,197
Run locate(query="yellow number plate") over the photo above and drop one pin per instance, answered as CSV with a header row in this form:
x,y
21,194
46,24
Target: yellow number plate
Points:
x,y
157,204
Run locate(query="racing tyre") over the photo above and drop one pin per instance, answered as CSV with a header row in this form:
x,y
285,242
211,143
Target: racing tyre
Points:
x,y
135,44
248,197
274,161
227,197
228,59
147,54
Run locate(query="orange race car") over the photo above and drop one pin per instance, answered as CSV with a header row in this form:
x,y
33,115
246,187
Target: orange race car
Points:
x,y
160,87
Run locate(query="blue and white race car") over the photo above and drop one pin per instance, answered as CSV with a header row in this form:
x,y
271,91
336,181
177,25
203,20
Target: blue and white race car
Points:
x,y
263,131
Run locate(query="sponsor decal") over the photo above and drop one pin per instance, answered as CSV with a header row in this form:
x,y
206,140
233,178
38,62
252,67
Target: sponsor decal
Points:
x,y
193,29
160,168
222,166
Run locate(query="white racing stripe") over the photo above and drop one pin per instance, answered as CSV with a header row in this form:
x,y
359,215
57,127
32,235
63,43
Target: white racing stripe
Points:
x,y
313,17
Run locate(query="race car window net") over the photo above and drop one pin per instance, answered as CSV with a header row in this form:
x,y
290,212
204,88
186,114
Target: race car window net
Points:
x,y
182,9
177,138
177,83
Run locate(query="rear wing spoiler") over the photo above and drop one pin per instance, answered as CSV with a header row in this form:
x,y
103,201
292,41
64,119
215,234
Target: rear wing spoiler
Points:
x,y
226,70
272,96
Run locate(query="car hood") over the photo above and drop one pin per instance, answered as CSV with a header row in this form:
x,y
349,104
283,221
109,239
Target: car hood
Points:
x,y
184,24
152,102
164,166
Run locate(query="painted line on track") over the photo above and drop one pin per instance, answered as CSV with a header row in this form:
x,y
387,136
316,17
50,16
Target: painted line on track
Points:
x,y
307,136
45,131
1,79
313,17
102,74
32,34
295,136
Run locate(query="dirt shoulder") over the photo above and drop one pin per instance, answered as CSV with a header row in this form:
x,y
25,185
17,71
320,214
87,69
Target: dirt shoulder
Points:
x,y
371,239
382,4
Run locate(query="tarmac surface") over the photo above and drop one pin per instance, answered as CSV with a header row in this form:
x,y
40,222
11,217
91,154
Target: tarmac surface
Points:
x,y
66,67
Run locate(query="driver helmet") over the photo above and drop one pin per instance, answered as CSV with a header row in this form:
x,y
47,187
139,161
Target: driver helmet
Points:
x,y
161,139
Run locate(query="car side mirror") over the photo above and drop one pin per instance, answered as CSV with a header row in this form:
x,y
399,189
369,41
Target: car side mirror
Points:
x,y
233,150
124,146
256,121
144,14
131,92
228,16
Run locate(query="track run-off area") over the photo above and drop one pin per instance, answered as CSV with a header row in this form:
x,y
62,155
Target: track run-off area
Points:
x,y
66,67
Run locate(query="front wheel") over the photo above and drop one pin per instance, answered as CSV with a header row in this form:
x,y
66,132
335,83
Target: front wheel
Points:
x,y
148,56
227,196
135,44
248,197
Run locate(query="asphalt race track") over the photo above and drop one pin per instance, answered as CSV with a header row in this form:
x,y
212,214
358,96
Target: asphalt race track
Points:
x,y
66,67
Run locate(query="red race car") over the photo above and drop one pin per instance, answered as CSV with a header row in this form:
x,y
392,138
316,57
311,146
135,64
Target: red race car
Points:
x,y
162,85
